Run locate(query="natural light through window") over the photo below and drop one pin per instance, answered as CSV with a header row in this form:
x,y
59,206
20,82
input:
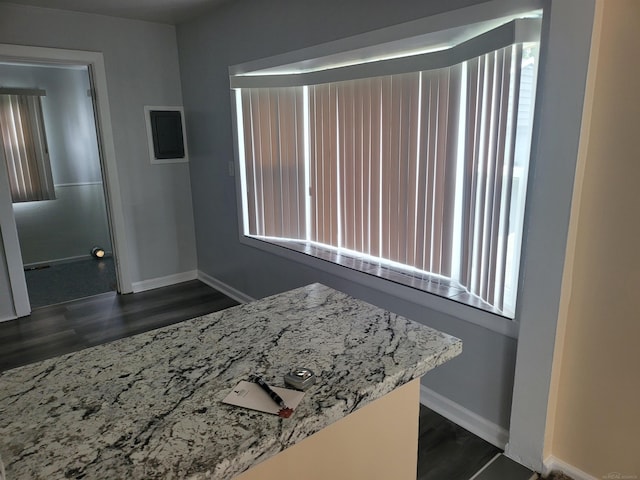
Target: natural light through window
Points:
x,y
415,172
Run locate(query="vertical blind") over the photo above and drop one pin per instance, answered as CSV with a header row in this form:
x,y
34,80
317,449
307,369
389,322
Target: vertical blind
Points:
x,y
274,143
490,134
24,145
379,166
414,168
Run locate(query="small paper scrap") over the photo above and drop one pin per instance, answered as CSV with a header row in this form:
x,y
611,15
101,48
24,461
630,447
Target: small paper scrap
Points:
x,y
250,395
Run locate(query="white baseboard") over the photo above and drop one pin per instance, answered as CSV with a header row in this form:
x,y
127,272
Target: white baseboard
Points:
x,y
222,287
159,282
553,464
480,426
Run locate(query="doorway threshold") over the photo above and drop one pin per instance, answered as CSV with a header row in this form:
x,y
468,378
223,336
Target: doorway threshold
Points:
x,y
501,467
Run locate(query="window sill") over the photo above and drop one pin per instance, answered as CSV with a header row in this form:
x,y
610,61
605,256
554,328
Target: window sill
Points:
x,y
433,292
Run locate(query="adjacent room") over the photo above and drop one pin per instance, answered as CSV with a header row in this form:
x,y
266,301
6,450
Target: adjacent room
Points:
x,y
61,219
432,202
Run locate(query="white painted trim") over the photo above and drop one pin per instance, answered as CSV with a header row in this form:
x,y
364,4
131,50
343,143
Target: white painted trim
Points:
x,y
480,426
553,464
11,244
147,121
115,209
98,77
222,287
159,282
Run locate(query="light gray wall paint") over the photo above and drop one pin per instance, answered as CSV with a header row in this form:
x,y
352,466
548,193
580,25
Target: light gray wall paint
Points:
x,y
77,220
243,30
142,68
64,228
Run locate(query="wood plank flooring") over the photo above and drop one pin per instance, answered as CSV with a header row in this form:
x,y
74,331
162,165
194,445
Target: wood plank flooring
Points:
x,y
71,326
446,451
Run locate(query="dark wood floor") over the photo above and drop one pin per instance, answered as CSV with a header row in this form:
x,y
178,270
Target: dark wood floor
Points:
x,y
446,451
66,281
71,326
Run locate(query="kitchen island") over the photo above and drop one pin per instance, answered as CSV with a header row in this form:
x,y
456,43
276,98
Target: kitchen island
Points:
x,y
149,406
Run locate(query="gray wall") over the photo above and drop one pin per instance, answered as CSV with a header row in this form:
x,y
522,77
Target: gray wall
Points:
x,y
69,226
481,379
142,68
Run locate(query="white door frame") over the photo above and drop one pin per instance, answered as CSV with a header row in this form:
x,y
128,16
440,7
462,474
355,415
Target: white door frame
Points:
x,y
98,78
13,254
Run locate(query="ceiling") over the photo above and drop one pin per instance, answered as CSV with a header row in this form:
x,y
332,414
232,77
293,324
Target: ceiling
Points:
x,y
162,11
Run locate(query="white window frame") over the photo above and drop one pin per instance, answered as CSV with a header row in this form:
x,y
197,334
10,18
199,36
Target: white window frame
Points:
x,y
462,21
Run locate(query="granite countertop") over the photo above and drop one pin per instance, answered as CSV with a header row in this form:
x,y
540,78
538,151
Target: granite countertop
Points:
x,y
149,406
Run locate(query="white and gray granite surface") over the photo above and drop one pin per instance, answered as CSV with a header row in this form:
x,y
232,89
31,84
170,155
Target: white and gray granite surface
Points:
x,y
149,406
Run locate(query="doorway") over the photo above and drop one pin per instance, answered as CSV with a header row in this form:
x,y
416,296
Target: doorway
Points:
x,y
57,236
40,237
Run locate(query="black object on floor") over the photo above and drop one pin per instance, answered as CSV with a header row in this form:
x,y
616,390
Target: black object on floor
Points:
x,y
68,327
62,282
448,451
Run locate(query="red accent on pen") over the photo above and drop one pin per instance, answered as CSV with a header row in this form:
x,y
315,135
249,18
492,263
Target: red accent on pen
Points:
x,y
285,412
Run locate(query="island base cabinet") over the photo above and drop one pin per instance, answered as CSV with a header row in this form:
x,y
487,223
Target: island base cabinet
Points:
x,y
376,442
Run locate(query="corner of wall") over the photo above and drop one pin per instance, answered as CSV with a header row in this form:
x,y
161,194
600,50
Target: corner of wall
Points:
x,y
567,277
479,426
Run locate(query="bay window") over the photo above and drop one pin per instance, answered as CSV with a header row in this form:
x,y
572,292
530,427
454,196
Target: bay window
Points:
x,y
413,167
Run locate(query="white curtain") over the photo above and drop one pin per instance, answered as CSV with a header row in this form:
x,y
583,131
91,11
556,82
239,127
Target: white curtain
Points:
x,y
24,143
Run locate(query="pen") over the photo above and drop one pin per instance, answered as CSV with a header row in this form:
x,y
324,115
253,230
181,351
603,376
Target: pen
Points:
x,y
274,396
